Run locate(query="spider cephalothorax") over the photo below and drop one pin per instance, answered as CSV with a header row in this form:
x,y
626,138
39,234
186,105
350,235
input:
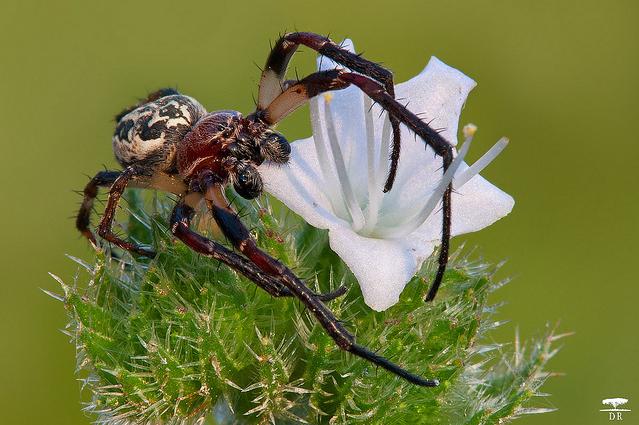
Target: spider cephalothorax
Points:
x,y
169,142
231,146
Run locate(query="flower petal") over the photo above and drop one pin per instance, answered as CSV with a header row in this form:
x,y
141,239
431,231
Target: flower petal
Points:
x,y
478,204
298,184
438,95
382,267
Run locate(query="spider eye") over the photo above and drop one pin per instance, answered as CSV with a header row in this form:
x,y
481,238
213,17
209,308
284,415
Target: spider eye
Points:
x,y
247,181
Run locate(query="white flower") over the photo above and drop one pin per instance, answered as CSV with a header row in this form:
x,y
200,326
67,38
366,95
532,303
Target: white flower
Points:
x,y
334,180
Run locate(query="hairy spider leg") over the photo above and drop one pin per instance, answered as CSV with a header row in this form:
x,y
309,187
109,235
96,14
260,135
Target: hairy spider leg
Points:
x,y
248,269
108,178
316,83
298,93
83,219
239,236
106,224
180,227
272,82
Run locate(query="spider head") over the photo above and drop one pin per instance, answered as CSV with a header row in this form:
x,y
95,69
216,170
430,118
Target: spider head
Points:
x,y
232,147
246,152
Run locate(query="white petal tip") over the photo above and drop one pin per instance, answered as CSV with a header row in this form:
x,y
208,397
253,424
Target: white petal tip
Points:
x,y
381,294
437,66
380,304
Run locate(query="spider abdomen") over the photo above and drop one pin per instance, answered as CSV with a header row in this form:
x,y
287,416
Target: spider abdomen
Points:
x,y
148,135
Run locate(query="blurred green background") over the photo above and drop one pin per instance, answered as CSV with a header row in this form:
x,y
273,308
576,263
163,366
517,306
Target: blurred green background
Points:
x,y
558,77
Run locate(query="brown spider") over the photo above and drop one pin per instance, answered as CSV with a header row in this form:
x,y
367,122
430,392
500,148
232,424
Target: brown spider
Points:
x,y
169,142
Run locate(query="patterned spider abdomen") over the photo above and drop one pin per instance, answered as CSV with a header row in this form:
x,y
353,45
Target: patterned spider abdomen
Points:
x,y
149,134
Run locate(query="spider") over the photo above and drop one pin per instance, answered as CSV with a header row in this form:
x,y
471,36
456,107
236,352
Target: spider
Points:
x,y
169,142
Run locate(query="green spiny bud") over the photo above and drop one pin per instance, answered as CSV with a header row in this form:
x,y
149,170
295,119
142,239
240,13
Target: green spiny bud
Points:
x,y
182,339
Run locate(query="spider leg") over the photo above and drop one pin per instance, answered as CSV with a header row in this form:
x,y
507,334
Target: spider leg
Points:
x,y
118,181
182,216
115,193
83,219
299,93
272,82
180,227
240,237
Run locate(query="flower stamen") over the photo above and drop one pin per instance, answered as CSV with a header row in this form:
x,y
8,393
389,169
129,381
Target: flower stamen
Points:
x,y
354,210
331,183
481,163
375,192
